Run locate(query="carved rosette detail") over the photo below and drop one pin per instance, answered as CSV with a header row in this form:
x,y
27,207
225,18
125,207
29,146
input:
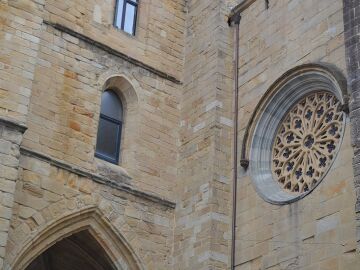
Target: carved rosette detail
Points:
x,y
306,142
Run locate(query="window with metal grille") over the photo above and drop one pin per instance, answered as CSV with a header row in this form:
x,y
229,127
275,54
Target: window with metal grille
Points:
x,y
125,15
109,130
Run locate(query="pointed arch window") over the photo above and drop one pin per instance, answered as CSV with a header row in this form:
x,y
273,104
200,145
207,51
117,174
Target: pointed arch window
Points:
x,y
110,126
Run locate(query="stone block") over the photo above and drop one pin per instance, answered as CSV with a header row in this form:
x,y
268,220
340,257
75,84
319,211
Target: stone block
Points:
x,y
5,213
4,224
26,212
5,147
32,201
9,161
53,186
3,238
12,136
35,165
112,172
327,223
7,185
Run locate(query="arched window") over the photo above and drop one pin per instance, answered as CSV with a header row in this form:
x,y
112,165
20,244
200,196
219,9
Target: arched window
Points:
x,y
109,131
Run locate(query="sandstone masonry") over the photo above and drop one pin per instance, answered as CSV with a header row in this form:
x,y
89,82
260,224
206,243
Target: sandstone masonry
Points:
x,y
351,25
167,204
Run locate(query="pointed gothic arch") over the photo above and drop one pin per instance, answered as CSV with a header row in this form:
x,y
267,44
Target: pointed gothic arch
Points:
x,y
116,250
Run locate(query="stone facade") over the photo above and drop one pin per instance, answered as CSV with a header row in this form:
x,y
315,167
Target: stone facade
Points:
x,y
351,26
204,165
167,204
11,134
318,231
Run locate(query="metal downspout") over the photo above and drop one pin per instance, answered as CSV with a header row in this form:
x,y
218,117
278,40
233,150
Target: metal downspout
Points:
x,y
236,20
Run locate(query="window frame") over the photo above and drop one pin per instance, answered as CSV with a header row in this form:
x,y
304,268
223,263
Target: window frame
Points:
x,y
119,125
123,15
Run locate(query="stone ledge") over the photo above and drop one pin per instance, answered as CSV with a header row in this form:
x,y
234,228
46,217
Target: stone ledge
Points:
x,y
112,171
13,124
112,51
97,178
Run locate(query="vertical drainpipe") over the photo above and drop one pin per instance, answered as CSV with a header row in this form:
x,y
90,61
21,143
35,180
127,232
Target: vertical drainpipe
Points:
x,y
236,21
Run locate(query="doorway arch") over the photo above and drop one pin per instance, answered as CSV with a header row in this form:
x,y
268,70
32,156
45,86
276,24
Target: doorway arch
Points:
x,y
75,252
87,232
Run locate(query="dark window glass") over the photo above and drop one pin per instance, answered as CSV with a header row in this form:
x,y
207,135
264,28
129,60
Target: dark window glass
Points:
x,y
109,131
111,105
125,15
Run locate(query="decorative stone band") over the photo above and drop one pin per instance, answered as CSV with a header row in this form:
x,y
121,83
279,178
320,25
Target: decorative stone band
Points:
x,y
13,124
98,178
290,90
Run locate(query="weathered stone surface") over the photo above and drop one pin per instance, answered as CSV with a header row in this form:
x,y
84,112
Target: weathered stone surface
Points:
x,y
112,172
352,40
10,139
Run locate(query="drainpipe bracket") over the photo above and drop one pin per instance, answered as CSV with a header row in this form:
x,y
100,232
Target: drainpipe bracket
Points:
x,y
345,108
244,163
236,18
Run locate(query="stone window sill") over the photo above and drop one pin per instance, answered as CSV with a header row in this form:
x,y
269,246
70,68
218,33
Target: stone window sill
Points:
x,y
111,171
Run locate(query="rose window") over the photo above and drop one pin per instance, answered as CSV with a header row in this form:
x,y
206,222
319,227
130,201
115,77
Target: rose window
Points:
x,y
306,142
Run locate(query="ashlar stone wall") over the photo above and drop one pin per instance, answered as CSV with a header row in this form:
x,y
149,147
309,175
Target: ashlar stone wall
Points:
x,y
202,216
19,31
11,134
352,41
318,231
20,23
47,193
57,59
170,196
159,39
64,111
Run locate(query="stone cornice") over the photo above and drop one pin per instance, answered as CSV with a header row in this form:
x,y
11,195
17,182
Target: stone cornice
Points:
x,y
112,51
97,178
13,124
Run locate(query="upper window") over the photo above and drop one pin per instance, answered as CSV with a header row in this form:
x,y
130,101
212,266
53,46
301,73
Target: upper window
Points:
x,y
109,131
125,15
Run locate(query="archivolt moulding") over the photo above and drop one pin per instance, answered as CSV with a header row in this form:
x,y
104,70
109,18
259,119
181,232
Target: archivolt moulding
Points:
x,y
258,144
124,84
90,219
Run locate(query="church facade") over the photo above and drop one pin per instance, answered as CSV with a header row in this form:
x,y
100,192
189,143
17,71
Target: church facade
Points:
x,y
118,135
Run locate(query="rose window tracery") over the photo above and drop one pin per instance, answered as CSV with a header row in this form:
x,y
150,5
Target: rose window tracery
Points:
x,y
306,141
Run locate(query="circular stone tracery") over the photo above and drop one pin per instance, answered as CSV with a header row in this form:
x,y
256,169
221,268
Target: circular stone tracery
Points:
x,y
305,142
